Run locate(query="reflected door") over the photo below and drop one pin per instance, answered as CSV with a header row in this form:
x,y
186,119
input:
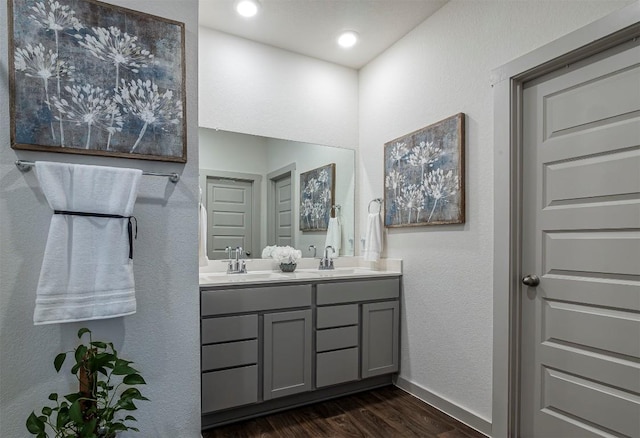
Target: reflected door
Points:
x,y
580,343
283,212
229,215
280,207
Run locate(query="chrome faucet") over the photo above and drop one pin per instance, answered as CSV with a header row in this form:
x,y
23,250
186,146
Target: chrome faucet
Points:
x,y
313,247
237,265
326,262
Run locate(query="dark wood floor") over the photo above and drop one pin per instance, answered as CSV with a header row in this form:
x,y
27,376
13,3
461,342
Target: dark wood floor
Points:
x,y
384,413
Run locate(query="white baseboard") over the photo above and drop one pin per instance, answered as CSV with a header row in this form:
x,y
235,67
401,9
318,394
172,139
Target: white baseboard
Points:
x,y
446,406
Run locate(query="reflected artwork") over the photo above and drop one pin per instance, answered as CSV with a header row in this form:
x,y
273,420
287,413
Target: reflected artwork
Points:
x,y
317,192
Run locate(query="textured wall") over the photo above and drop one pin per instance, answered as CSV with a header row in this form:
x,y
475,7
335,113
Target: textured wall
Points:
x,y
441,68
163,336
257,89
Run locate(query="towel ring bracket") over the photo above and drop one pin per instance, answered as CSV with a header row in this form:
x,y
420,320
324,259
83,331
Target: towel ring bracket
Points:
x,y
379,201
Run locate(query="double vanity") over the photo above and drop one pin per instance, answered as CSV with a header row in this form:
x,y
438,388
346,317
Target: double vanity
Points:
x,y
273,340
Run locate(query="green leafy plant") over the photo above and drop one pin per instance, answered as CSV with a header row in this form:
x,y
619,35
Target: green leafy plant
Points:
x,y
106,386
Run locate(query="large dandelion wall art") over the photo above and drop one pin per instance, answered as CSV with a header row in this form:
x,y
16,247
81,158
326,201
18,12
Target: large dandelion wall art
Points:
x,y
91,78
424,176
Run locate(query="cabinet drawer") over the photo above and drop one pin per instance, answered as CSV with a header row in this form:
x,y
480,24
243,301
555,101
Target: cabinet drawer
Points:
x,y
336,316
361,290
333,339
232,328
232,354
229,388
336,367
223,301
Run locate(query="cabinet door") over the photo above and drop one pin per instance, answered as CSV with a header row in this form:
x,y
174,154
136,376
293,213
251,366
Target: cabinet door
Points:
x,y
380,338
287,353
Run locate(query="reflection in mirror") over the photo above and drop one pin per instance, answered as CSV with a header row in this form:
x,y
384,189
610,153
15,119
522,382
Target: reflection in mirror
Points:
x,y
251,190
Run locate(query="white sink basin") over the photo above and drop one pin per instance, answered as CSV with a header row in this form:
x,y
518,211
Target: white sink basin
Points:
x,y
303,274
223,277
337,272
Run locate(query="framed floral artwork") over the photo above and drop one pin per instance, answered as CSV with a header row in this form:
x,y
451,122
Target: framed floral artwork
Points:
x,y
317,192
88,77
424,176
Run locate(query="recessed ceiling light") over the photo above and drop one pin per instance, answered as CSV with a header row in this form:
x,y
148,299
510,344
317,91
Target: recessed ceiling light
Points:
x,y
348,39
247,8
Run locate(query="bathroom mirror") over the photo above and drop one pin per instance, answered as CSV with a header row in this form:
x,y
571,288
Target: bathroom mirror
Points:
x,y
251,190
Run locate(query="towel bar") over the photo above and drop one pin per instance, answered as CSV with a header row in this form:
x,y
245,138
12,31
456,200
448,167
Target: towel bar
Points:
x,y
25,166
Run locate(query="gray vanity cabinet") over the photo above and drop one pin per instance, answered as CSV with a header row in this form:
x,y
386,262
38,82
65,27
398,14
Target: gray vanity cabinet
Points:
x,y
337,349
380,349
275,346
229,362
232,343
374,309
287,353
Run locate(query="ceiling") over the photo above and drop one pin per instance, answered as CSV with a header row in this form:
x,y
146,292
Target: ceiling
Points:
x,y
310,27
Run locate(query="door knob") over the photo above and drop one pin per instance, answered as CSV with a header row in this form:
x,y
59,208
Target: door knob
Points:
x,y
531,280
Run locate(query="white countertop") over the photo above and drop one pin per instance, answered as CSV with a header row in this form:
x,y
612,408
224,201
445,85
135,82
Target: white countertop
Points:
x,y
346,267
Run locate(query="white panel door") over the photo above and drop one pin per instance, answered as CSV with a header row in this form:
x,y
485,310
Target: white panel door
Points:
x,y
580,339
229,213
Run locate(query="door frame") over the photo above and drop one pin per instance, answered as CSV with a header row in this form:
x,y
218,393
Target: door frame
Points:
x,y
507,81
256,181
273,177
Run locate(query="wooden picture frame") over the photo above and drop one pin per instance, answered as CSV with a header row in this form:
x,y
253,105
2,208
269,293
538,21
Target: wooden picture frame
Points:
x,y
317,195
87,77
424,176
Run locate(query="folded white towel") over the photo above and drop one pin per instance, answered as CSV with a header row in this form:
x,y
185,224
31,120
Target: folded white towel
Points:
x,y
86,271
334,236
203,260
373,238
202,236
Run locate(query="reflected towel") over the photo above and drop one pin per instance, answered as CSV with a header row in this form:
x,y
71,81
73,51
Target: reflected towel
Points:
x,y
334,236
373,238
202,236
86,272
203,260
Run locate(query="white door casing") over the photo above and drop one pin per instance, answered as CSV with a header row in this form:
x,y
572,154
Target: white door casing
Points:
x,y
580,346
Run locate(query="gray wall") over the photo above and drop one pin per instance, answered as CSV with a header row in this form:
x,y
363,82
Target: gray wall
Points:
x,y
162,337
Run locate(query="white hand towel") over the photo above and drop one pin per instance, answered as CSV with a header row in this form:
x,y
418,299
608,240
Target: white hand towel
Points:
x,y
86,271
202,235
334,236
373,238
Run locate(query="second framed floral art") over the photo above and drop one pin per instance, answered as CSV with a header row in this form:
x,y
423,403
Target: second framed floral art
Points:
x,y
424,176
91,78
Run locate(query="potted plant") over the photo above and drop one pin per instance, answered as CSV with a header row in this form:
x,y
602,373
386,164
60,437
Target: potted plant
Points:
x,y
106,387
